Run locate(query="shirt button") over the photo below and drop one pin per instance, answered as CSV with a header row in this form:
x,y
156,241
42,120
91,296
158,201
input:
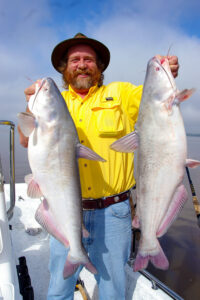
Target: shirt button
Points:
x,y
89,188
82,141
85,165
80,120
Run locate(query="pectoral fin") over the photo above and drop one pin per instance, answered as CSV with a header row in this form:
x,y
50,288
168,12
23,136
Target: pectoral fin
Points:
x,y
26,122
184,95
85,152
177,99
127,143
192,163
33,190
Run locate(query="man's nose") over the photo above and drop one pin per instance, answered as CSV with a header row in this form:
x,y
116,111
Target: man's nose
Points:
x,y
82,64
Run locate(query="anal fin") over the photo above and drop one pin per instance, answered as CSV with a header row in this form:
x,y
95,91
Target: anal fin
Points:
x,y
44,217
178,201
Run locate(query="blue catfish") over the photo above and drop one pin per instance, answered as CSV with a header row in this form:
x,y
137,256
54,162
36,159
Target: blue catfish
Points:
x,y
160,140
53,150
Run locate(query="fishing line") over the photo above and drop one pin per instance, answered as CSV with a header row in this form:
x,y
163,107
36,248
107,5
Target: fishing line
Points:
x,y
169,50
29,79
194,197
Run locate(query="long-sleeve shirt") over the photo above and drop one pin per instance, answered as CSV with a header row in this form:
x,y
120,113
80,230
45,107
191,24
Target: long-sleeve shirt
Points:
x,y
106,114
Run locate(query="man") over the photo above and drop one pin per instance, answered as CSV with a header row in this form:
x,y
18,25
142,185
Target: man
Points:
x,y
102,114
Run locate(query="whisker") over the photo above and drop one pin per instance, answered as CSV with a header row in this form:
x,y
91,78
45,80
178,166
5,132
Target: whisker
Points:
x,y
169,49
42,83
29,79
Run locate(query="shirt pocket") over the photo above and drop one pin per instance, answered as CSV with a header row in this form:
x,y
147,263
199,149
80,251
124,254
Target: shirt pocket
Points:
x,y
108,117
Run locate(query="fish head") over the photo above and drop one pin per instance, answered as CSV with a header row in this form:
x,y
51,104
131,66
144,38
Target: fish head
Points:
x,y
159,81
47,102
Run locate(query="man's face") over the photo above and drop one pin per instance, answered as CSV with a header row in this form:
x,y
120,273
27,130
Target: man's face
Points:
x,y
81,71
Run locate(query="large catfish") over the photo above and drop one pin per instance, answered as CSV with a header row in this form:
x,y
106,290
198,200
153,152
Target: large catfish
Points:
x,y
161,159
53,150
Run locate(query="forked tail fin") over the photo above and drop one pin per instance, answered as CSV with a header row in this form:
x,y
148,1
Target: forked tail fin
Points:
x,y
159,260
71,267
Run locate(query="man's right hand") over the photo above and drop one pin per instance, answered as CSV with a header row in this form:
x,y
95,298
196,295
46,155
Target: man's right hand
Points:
x,y
29,91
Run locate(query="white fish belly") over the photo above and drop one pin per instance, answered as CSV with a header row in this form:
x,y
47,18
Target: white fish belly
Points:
x,y
160,170
56,171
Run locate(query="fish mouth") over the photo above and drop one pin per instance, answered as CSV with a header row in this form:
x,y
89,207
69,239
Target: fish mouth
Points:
x,y
40,87
161,64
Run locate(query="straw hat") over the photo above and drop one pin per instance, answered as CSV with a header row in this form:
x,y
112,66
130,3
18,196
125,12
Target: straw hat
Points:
x,y
61,49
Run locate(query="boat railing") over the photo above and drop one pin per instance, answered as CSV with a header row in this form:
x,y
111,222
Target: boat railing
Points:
x,y
11,167
156,283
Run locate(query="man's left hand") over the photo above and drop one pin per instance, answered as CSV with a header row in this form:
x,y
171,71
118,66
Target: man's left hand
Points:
x,y
174,65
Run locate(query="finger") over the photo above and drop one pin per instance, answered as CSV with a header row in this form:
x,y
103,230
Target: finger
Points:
x,y
23,140
173,60
29,91
174,70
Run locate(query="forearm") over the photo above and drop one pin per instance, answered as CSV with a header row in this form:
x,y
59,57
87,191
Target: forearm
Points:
x,y
22,138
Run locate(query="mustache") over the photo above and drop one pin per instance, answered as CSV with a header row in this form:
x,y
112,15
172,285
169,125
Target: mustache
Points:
x,y
82,72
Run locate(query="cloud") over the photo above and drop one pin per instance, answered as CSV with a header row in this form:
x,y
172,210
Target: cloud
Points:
x,y
26,44
133,38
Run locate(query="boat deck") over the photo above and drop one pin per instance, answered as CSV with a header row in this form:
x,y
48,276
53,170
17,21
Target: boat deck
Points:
x,y
35,249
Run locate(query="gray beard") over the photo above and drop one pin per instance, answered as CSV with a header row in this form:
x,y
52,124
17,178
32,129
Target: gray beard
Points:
x,y
83,83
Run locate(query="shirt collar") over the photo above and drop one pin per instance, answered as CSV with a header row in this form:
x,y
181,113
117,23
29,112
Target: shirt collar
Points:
x,y
75,95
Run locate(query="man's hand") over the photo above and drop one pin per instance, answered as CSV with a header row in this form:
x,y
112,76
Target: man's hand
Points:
x,y
174,65
28,93
23,140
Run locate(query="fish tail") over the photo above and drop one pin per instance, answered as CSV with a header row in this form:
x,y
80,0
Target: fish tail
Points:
x,y
159,260
71,267
141,262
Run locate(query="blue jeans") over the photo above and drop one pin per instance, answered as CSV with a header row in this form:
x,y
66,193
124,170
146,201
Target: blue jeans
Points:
x,y
108,247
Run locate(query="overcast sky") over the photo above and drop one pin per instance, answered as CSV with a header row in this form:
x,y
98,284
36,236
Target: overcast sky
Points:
x,y
134,31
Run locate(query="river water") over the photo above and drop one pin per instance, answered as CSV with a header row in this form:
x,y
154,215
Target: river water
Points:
x,y
181,243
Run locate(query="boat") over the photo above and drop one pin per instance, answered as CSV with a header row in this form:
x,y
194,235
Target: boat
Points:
x,y
24,251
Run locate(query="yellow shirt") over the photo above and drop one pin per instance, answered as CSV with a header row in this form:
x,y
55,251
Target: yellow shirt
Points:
x,y
103,116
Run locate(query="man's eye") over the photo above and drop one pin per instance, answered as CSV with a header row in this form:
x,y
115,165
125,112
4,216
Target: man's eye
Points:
x,y
74,60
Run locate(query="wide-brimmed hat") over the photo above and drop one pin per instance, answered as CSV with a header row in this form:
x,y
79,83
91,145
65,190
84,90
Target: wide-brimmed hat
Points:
x,y
61,49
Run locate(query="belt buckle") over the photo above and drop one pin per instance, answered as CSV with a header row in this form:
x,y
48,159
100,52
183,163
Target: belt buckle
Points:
x,y
116,198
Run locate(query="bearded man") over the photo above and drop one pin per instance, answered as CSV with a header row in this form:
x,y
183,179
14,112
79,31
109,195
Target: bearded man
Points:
x,y
102,114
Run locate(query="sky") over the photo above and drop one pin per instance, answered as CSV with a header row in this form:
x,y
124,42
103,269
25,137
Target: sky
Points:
x,y
134,31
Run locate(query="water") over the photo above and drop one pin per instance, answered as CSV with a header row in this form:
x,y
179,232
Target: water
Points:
x,y
181,243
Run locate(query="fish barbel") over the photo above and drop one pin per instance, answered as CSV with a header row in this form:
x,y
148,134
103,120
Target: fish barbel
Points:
x,y
53,149
160,140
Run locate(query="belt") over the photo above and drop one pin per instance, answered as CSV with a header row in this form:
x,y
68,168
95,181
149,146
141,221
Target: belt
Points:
x,y
104,202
